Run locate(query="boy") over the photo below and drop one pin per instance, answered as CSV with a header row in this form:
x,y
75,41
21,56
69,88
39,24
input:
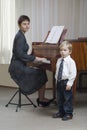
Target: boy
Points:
x,y
65,76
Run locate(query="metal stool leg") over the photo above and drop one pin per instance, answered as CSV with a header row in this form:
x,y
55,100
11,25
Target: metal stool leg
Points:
x,y
30,101
19,104
12,99
19,101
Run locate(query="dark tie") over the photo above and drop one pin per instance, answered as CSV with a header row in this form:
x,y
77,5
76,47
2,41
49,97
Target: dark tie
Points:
x,y
60,70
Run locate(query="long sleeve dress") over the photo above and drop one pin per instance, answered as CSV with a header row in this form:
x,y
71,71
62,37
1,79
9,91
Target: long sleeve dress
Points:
x,y
29,79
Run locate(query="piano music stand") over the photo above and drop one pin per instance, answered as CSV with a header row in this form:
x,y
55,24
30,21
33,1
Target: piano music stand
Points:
x,y
61,38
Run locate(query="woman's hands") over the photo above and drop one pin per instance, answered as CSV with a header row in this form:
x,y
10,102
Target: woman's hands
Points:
x,y
41,60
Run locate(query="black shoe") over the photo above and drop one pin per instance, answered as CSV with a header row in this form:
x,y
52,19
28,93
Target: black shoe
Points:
x,y
67,117
57,115
43,103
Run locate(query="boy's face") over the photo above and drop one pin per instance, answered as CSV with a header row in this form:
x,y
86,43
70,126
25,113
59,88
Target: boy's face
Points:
x,y
64,51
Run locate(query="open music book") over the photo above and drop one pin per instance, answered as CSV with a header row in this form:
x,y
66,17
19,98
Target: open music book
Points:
x,y
54,34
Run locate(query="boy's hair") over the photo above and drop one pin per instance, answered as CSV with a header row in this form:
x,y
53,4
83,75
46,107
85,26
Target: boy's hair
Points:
x,y
23,18
66,43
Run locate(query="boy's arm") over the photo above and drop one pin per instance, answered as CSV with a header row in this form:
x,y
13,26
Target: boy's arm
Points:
x,y
72,76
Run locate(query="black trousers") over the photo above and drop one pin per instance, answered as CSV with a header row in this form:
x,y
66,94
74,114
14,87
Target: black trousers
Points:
x,y
64,98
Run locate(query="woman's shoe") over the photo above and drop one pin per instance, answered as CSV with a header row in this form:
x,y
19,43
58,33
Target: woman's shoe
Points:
x,y
43,103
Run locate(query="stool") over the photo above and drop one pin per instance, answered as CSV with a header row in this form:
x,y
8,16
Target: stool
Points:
x,y
19,104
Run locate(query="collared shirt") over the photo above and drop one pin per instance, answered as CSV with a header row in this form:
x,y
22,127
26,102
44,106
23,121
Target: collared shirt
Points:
x,y
69,70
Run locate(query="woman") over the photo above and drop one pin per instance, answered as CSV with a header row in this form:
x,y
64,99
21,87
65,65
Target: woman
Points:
x,y
29,79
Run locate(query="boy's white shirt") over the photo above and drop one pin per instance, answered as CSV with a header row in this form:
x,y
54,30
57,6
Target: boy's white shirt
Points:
x,y
69,70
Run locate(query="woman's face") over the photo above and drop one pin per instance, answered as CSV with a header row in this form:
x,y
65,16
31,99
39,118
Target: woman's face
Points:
x,y
24,26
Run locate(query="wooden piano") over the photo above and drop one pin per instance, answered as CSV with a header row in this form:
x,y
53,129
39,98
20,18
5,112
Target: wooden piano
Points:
x,y
50,51
79,54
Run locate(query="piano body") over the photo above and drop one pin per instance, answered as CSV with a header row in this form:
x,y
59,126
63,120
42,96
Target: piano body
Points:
x,y
79,54
50,51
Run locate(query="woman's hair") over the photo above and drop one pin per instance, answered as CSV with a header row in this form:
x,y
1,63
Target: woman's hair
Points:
x,y
66,43
23,18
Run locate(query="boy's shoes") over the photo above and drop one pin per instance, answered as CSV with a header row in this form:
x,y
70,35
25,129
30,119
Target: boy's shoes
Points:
x,y
57,115
64,118
67,117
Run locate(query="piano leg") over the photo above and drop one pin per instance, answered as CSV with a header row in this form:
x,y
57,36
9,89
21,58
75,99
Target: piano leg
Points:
x,y
54,86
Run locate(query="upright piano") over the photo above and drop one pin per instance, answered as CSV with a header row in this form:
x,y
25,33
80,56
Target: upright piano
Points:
x,y
50,51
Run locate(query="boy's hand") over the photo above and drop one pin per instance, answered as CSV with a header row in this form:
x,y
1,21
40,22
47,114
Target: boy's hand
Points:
x,y
68,87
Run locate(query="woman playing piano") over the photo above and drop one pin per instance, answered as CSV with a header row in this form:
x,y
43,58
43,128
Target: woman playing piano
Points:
x,y
29,79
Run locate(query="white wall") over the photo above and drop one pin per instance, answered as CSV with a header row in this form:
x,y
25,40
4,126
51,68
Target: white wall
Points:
x,y
5,79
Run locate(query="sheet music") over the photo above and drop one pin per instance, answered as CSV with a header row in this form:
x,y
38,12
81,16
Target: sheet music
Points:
x,y
55,34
